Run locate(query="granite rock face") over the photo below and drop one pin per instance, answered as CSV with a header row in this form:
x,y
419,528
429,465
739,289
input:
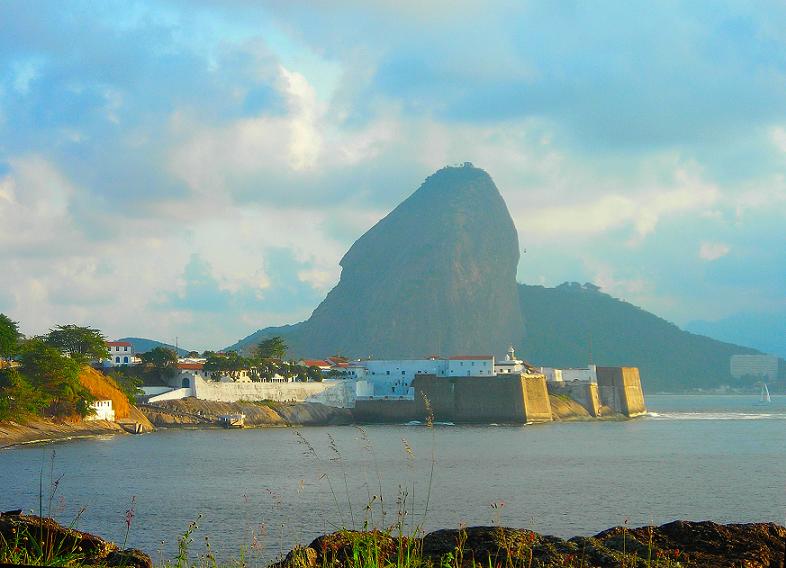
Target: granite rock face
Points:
x,y
436,276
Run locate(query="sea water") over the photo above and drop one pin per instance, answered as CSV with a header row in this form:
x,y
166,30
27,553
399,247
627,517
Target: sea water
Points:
x,y
260,491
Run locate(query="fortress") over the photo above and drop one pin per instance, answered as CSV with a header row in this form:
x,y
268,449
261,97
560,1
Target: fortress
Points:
x,y
464,388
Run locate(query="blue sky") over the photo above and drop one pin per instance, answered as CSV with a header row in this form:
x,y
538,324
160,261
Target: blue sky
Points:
x,y
197,169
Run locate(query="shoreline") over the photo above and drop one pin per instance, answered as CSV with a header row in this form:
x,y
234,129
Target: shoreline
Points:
x,y
40,431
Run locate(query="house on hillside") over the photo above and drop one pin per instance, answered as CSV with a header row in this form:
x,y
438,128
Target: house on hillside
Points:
x,y
102,411
120,353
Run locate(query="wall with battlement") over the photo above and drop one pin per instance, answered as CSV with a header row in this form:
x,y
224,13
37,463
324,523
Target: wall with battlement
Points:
x,y
503,398
620,389
585,393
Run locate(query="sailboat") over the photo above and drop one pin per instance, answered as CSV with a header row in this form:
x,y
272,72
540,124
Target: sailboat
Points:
x,y
765,399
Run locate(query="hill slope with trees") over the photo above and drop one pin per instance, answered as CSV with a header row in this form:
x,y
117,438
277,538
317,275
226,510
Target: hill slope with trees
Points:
x,y
570,324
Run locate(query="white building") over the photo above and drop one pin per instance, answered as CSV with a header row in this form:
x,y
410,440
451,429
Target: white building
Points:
x,y
103,411
392,378
764,367
584,374
510,364
120,353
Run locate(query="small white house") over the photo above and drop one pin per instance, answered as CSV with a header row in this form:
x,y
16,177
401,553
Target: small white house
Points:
x,y
585,375
120,353
103,411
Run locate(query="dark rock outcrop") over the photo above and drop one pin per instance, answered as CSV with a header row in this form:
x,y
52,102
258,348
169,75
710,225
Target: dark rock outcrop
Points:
x,y
437,275
681,543
28,539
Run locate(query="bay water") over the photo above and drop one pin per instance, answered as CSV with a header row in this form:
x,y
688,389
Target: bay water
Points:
x,y
258,492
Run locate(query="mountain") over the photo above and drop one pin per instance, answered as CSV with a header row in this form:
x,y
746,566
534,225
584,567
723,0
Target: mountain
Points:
x,y
571,325
437,275
764,331
142,345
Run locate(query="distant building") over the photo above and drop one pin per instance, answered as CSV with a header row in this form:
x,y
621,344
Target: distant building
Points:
x,y
120,353
103,411
321,364
764,367
510,364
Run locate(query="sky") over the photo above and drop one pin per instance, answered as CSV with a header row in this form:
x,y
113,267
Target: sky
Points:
x,y
196,169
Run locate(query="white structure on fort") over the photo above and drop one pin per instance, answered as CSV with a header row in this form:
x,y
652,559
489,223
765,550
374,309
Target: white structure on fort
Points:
x,y
583,374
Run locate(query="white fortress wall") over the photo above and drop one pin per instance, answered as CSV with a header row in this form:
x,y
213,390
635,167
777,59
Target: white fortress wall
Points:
x,y
175,394
331,393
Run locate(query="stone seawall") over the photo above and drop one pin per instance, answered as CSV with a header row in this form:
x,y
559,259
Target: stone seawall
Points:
x,y
620,389
515,399
584,393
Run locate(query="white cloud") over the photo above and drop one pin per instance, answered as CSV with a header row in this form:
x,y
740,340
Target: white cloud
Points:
x,y
713,251
778,137
640,211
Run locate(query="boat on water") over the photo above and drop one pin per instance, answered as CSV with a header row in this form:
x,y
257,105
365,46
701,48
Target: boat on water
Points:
x,y
764,399
232,420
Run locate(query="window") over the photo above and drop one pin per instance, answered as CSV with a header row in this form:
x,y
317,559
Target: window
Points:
x,y
117,359
402,372
388,372
125,348
125,360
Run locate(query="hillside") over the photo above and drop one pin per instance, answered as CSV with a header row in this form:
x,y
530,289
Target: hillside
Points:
x,y
437,275
566,322
764,331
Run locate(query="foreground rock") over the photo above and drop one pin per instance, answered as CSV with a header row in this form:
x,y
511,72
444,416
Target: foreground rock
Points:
x,y
676,544
28,539
195,412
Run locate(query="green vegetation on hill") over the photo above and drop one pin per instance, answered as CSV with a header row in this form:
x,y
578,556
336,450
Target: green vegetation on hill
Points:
x,y
44,376
567,323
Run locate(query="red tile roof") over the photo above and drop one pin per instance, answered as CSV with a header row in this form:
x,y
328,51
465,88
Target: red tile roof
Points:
x,y
471,357
315,363
191,366
118,343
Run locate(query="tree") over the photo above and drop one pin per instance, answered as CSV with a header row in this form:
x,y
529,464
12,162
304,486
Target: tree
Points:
x,y
80,343
273,348
160,361
314,374
18,397
56,375
128,383
230,363
9,338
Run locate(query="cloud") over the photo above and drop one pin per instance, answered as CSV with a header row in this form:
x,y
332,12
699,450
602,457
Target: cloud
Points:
x,y
178,161
713,251
641,212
